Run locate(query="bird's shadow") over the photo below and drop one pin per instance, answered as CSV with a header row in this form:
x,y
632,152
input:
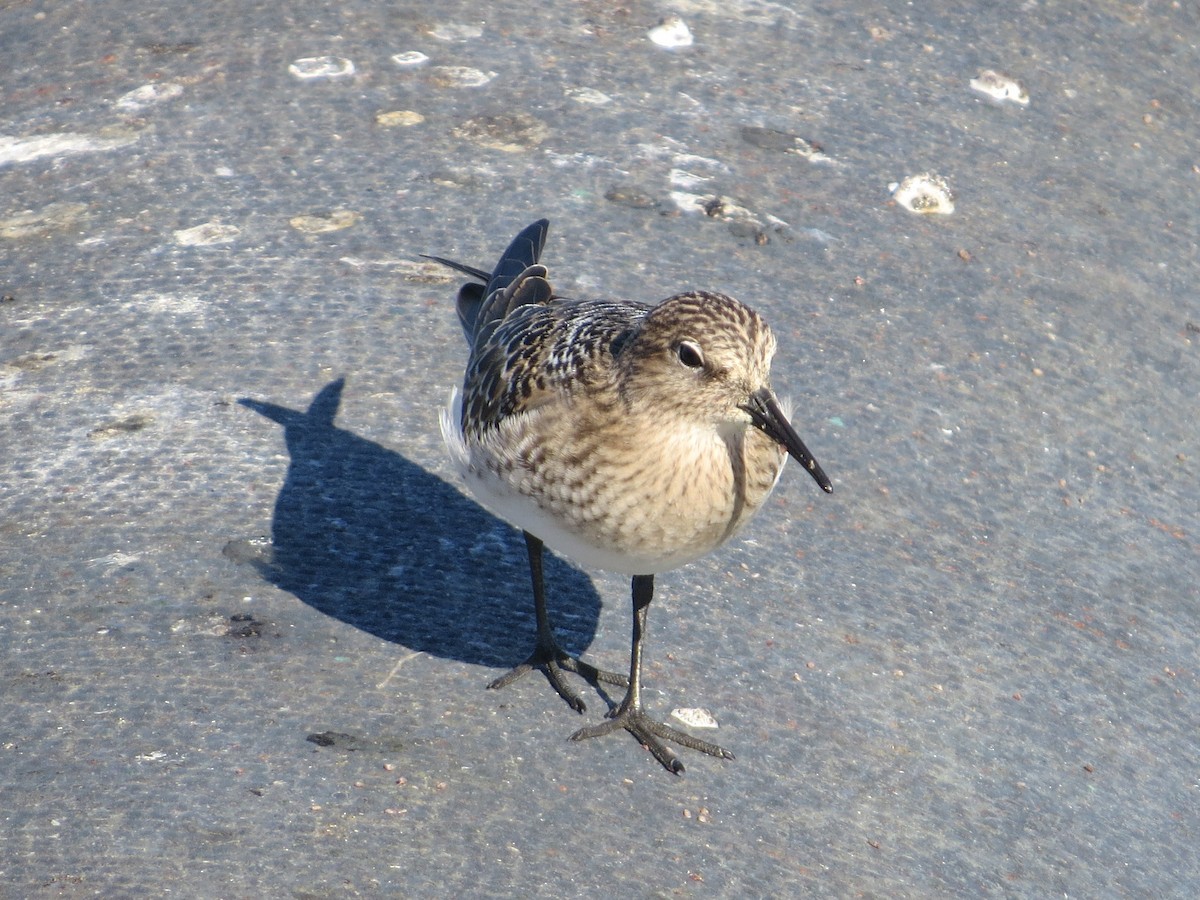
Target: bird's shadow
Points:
x,y
372,539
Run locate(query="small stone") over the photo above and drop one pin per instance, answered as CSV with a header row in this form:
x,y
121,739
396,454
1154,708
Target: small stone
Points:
x,y
460,76
449,31
672,33
1000,87
321,223
695,717
399,118
315,68
509,133
148,95
927,194
205,234
410,58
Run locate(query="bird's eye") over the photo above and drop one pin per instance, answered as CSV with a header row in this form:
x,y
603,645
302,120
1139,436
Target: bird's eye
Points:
x,y
690,354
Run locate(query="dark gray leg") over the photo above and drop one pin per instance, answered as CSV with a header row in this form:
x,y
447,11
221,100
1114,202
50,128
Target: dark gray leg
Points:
x,y
547,654
630,715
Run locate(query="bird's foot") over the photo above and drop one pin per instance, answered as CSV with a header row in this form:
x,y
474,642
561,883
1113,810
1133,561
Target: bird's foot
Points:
x,y
554,660
651,734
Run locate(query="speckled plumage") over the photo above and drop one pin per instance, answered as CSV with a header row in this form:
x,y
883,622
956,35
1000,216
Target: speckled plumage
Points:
x,y
626,437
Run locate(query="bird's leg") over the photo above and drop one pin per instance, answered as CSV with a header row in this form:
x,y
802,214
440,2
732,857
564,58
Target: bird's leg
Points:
x,y
547,653
630,715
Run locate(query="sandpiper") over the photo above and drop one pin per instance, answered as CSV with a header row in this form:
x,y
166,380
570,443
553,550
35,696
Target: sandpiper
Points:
x,y
623,436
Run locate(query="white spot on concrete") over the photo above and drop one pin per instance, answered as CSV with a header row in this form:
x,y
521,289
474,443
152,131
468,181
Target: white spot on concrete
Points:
x,y
695,717
927,194
148,95
450,31
1000,87
688,180
589,96
50,218
208,233
401,118
328,68
673,33
410,58
461,76
19,149
321,223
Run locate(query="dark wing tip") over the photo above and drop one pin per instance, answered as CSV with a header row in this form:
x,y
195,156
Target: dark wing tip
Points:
x,y
522,252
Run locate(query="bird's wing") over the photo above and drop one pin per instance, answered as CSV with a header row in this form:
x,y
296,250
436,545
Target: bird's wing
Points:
x,y
544,352
482,305
529,346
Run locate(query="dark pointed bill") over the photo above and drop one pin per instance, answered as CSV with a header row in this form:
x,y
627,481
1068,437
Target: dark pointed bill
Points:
x,y
769,418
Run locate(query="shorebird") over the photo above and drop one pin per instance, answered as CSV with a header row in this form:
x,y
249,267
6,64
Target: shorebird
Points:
x,y
623,436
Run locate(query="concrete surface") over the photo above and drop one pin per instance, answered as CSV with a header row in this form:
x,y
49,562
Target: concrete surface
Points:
x,y
227,523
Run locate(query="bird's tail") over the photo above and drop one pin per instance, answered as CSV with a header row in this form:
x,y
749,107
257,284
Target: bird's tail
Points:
x,y
516,281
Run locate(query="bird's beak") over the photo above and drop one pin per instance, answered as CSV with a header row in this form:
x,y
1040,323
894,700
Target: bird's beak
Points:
x,y
769,419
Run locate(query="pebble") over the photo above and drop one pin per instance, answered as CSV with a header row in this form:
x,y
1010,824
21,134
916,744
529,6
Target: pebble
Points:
x,y
695,717
460,76
206,234
56,216
399,117
322,223
410,58
590,96
927,194
329,68
1000,87
449,31
510,133
673,33
26,148
148,95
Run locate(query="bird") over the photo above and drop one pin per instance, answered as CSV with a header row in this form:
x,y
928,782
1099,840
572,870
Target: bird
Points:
x,y
623,436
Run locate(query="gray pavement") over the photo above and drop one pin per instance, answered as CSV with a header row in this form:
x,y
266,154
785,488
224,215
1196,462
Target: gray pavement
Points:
x,y
247,614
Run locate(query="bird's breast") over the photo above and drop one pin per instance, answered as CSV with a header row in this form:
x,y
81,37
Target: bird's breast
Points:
x,y
633,498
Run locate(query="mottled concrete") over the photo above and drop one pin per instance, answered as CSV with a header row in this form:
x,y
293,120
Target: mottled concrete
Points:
x,y
227,524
